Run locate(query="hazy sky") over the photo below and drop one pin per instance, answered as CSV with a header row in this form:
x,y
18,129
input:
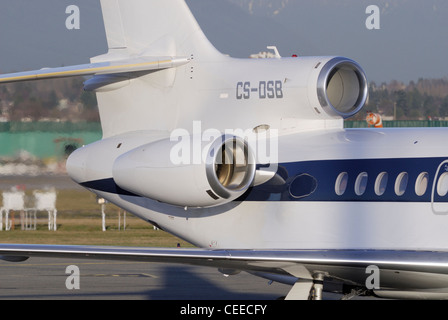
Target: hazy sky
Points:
x,y
412,41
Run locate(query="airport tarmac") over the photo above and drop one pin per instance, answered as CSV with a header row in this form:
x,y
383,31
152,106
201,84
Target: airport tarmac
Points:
x,y
39,278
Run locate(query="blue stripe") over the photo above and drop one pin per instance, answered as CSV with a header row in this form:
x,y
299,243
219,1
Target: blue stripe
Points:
x,y
107,185
326,172
318,178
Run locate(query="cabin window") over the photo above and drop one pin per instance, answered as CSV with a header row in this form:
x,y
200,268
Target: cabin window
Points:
x,y
442,185
341,183
401,183
421,184
381,183
361,183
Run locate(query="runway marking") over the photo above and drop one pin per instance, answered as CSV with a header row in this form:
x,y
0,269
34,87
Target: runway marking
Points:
x,y
123,275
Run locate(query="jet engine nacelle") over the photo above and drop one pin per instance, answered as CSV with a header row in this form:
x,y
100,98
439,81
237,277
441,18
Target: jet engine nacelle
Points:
x,y
342,88
165,171
305,88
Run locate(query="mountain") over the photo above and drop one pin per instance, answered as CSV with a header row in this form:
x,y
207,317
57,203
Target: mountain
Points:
x,y
410,44
263,7
237,32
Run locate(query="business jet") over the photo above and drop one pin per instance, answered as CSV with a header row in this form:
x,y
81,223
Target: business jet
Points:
x,y
248,160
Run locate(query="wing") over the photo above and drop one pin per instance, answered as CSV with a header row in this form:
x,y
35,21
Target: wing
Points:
x,y
139,64
427,269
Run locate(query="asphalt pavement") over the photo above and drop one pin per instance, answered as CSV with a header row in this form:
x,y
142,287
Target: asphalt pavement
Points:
x,y
49,279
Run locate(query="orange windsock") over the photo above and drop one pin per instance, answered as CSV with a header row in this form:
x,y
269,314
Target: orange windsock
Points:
x,y
374,119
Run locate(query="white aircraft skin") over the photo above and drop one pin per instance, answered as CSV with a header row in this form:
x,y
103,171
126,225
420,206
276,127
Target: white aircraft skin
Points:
x,y
338,200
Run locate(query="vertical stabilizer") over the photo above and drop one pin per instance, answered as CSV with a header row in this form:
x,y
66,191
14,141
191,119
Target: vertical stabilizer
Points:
x,y
148,28
113,24
143,25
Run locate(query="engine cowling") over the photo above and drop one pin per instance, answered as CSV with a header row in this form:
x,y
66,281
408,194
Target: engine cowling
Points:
x,y
342,87
225,171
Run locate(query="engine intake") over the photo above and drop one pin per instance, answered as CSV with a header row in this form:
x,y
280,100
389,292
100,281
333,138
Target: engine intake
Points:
x,y
342,87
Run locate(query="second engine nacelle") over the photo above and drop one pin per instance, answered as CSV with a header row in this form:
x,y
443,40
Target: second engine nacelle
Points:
x,y
225,170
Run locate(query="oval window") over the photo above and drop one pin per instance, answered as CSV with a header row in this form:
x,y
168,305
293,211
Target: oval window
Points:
x,y
361,183
302,186
381,183
442,185
421,184
341,183
401,183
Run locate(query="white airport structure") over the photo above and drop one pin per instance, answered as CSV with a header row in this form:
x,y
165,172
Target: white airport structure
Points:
x,y
46,201
12,201
15,201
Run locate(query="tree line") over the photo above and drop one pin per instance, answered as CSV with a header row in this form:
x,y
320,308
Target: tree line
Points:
x,y
54,100
421,100
65,100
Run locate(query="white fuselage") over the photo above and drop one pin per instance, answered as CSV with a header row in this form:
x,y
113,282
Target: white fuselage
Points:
x,y
275,217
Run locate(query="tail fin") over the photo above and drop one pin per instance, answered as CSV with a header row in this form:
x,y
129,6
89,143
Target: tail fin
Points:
x,y
149,28
157,27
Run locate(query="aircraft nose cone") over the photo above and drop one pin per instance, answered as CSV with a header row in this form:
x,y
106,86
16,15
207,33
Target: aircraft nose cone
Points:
x,y
76,165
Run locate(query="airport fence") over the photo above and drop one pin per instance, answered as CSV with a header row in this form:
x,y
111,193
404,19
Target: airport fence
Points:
x,y
399,124
46,139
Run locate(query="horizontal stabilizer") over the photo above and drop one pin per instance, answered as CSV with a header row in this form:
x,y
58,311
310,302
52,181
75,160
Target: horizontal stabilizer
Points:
x,y
140,64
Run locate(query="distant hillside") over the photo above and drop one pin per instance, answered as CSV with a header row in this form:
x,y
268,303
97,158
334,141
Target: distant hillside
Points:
x,y
65,100
410,44
408,53
421,100
50,100
263,7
